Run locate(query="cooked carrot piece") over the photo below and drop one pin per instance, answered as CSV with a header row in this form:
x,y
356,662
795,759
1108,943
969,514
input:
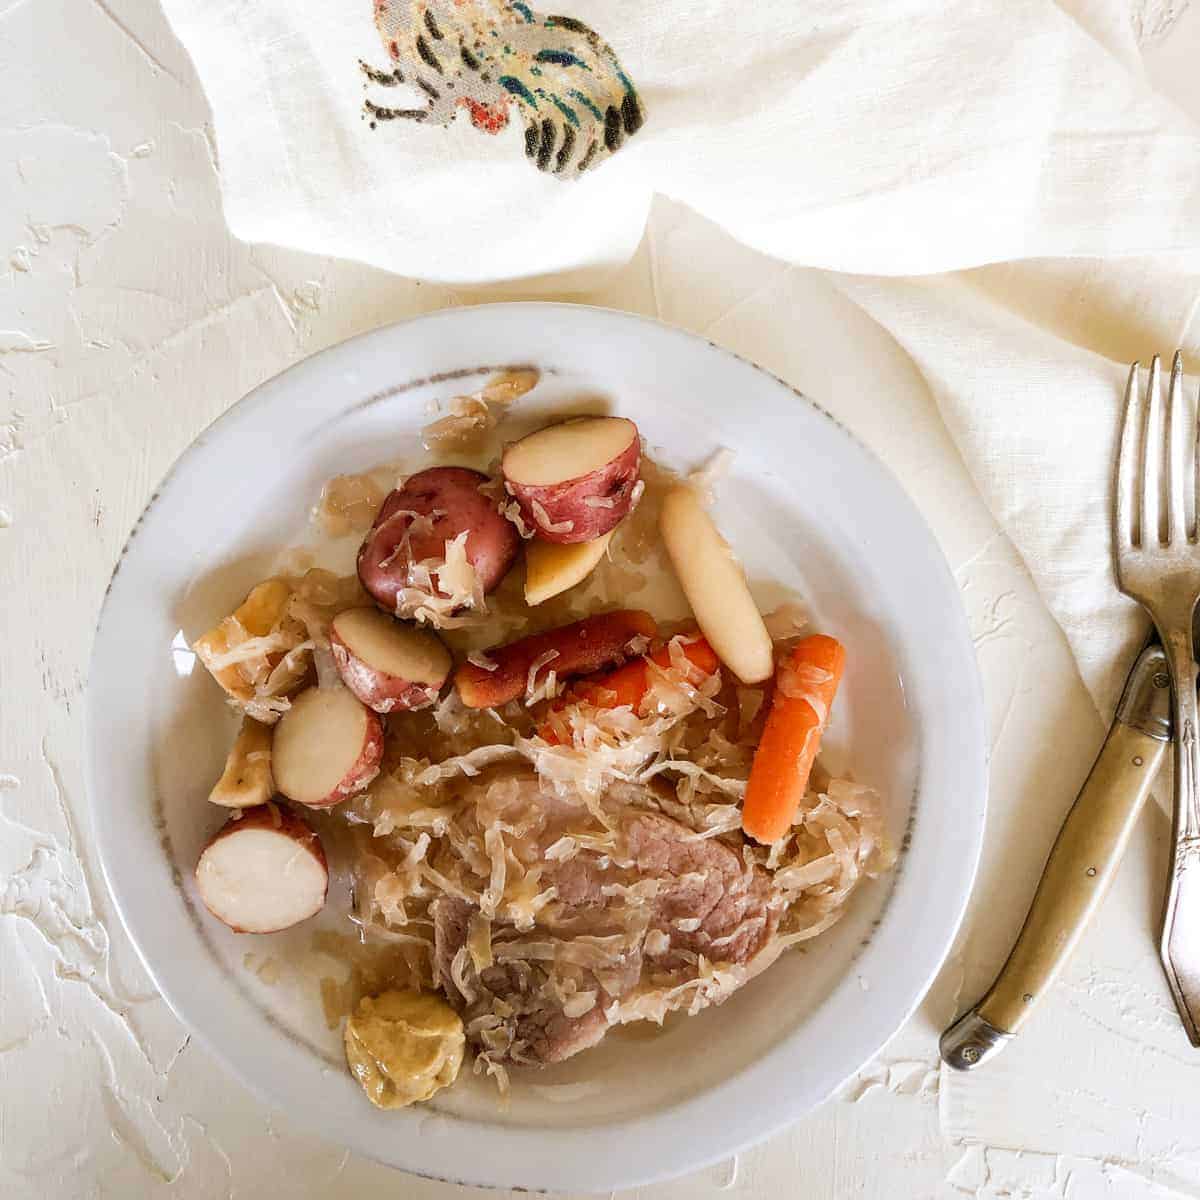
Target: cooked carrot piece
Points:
x,y
578,649
805,683
629,684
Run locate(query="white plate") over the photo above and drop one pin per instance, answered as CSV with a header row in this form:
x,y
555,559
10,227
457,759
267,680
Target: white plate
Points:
x,y
807,508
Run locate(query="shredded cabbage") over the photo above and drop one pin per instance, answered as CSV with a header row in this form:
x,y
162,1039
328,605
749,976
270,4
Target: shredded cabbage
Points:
x,y
521,817
261,666
445,591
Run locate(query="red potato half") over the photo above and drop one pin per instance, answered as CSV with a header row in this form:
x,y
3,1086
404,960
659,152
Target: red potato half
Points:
x,y
579,648
327,746
574,480
387,665
263,872
453,492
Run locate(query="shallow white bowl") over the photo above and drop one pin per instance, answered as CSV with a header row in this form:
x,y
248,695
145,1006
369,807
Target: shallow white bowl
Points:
x,y
809,511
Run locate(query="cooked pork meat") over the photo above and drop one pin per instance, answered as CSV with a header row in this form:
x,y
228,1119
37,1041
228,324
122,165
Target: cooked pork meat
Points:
x,y
706,900
530,1026
644,918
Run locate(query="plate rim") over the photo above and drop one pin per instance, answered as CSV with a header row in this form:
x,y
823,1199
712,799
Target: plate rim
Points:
x,y
671,1163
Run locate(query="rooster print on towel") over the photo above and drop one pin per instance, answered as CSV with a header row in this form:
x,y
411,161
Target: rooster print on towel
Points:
x,y
489,58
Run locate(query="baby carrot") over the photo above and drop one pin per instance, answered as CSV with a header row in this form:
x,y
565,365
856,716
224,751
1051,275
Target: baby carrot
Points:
x,y
630,683
805,683
589,645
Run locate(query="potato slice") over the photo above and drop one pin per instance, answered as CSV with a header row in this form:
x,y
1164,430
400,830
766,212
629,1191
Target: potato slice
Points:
x,y
551,567
574,480
715,586
263,871
386,664
567,450
246,780
327,746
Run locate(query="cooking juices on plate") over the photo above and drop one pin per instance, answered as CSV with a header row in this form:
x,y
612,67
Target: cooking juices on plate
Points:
x,y
564,813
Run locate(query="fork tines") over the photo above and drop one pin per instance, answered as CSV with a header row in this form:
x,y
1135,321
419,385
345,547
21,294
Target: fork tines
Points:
x,y
1158,468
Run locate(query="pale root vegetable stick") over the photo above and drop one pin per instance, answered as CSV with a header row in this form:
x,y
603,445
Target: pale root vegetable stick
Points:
x,y
552,567
629,684
578,649
246,780
715,585
257,615
805,685
574,481
263,871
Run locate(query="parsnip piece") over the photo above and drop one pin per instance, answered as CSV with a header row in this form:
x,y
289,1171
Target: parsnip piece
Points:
x,y
257,615
552,567
246,780
715,586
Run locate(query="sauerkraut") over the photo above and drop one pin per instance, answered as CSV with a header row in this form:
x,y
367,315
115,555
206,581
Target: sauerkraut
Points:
x,y
558,865
264,651
468,419
514,820
443,591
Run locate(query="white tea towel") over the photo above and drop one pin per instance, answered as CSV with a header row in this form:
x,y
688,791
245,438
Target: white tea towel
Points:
x,y
881,136
479,141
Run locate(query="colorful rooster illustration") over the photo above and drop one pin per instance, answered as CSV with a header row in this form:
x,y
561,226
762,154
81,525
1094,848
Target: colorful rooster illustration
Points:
x,y
486,56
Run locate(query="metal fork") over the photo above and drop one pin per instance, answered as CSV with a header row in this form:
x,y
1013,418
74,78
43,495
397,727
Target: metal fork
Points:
x,y
1157,563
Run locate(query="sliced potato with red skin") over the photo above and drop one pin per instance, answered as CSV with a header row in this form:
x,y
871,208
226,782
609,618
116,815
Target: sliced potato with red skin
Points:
x,y
580,648
263,871
552,568
247,780
451,498
327,746
386,664
715,585
574,480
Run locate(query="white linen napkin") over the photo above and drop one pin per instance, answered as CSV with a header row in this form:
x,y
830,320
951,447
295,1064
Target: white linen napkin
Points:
x,y
1028,363
888,138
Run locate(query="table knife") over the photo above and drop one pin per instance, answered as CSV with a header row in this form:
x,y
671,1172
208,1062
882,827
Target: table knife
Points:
x,y
1081,865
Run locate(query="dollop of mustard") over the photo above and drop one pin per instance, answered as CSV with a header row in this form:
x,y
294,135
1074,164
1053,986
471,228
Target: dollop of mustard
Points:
x,y
404,1046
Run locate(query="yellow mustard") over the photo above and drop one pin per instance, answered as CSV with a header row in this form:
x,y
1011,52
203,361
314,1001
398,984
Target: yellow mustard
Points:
x,y
404,1046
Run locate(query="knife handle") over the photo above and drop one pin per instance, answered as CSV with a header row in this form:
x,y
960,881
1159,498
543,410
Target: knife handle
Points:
x,y
1081,865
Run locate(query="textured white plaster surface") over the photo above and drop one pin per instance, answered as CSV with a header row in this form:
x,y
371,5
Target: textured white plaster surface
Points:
x,y
129,319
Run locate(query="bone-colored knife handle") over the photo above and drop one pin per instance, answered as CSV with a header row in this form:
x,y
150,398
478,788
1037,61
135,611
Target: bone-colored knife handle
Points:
x,y
1081,865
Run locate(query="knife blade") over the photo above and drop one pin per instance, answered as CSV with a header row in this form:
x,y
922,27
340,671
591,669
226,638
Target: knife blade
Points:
x,y
1082,864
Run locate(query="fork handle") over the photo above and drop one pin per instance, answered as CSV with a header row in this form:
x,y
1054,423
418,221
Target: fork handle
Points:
x,y
1180,945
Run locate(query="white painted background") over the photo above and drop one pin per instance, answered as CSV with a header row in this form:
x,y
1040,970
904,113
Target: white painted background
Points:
x,y
128,320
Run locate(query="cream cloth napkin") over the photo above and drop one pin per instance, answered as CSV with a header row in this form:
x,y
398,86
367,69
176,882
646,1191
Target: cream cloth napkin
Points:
x,y
876,138
1028,363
